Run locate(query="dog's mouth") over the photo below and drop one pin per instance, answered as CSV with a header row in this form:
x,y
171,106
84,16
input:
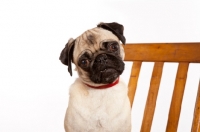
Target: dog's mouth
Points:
x,y
109,73
110,76
106,76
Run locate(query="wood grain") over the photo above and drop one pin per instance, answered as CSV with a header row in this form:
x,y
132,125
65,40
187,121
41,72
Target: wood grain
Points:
x,y
184,53
152,97
163,52
133,80
177,97
196,118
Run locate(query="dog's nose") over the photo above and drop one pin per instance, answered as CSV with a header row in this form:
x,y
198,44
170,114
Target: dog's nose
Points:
x,y
102,59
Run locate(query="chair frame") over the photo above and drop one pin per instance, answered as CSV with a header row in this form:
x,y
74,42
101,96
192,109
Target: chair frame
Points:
x,y
184,54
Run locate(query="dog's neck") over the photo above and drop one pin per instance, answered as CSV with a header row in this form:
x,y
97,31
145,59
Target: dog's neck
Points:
x,y
104,86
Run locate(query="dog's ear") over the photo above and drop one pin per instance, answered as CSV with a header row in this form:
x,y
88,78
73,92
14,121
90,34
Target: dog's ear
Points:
x,y
66,56
115,28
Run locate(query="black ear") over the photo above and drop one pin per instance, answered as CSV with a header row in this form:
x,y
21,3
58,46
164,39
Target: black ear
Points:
x,y
115,28
66,56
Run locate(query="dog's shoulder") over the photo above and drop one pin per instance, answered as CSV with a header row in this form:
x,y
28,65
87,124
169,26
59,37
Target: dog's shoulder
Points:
x,y
77,88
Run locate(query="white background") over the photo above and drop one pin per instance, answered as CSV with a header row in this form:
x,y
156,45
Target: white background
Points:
x,y
33,82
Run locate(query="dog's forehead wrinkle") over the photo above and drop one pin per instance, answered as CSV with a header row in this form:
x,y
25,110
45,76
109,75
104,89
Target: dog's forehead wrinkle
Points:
x,y
101,34
90,37
86,53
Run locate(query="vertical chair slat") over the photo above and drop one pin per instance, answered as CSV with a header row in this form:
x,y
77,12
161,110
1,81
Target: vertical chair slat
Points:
x,y
196,118
133,80
177,97
152,97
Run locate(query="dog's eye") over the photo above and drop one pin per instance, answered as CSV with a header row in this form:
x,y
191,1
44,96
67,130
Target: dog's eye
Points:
x,y
113,47
85,63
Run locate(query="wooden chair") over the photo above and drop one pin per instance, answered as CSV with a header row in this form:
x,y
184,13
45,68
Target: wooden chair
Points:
x,y
184,54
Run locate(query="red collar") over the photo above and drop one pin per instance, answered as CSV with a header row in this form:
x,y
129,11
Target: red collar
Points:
x,y
104,86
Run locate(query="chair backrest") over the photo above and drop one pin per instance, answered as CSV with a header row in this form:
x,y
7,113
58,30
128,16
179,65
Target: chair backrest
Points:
x,y
184,54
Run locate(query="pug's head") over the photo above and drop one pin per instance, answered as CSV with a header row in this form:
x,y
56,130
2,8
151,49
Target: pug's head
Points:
x,y
97,54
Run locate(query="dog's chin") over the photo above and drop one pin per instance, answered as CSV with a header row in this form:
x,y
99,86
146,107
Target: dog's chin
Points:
x,y
106,76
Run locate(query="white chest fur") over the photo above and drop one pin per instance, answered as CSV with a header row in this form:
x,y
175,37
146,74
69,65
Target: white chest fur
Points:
x,y
98,110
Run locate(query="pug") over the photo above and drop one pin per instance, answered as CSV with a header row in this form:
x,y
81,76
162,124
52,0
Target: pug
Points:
x,y
98,100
